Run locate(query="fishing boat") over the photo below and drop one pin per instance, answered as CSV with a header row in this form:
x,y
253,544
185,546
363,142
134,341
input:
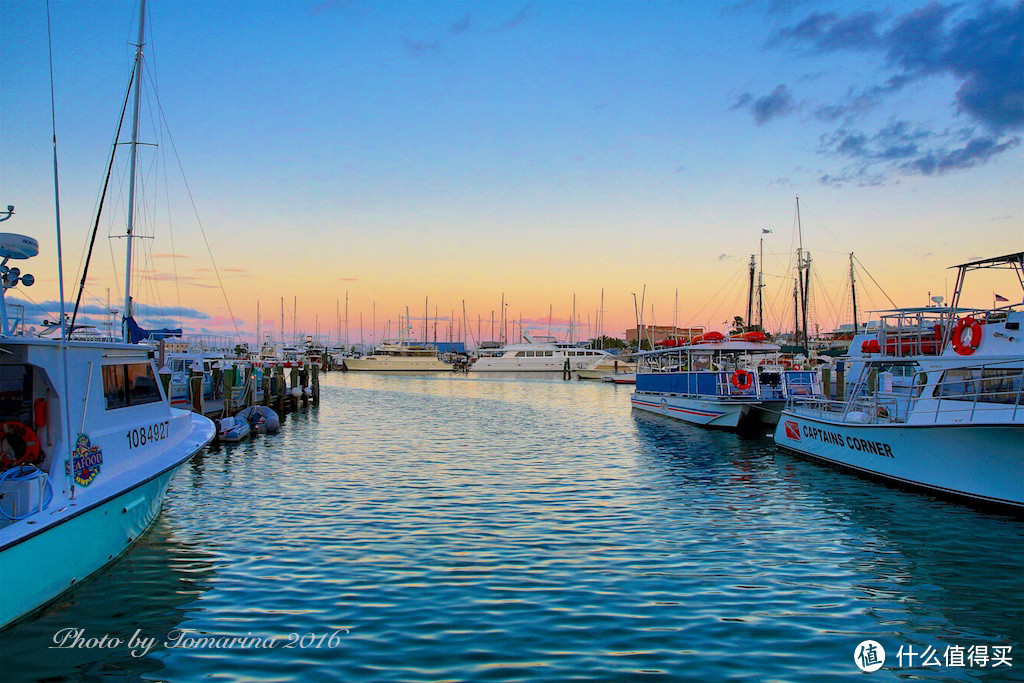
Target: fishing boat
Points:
x,y
712,381
960,430
88,446
399,356
539,353
88,439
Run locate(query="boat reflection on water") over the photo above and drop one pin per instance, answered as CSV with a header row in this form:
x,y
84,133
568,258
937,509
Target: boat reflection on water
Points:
x,y
901,567
152,589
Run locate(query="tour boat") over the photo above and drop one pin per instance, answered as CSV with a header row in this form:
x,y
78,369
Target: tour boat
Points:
x,y
399,356
959,430
721,383
539,353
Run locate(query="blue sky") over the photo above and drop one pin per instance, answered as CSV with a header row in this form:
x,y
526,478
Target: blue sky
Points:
x,y
459,150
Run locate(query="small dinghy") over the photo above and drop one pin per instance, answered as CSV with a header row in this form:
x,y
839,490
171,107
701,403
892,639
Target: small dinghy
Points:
x,y
233,430
260,418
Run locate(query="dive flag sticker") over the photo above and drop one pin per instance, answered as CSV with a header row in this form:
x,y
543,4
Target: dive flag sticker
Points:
x,y
792,430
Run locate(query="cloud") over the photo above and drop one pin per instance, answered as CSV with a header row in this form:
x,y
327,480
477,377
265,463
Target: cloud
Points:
x,y
462,25
419,48
234,271
169,255
724,257
519,18
349,279
984,53
979,46
175,312
778,103
141,309
908,150
976,151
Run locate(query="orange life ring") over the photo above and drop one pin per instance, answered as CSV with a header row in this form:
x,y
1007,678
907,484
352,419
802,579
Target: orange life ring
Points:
x,y
19,445
962,348
742,380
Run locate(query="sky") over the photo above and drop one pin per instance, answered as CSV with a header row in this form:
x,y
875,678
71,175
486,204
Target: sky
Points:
x,y
455,152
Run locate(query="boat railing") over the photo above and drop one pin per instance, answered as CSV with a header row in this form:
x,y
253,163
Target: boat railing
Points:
x,y
913,333
963,393
970,390
880,407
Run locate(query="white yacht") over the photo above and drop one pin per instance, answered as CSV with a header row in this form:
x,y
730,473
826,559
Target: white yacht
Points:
x,y
958,431
399,356
540,353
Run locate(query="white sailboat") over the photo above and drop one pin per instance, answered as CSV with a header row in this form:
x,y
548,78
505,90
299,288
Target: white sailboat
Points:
x,y
88,445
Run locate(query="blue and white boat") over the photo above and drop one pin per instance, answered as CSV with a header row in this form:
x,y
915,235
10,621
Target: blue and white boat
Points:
x,y
734,384
959,430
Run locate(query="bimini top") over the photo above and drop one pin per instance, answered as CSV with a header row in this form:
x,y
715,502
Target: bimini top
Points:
x,y
1015,260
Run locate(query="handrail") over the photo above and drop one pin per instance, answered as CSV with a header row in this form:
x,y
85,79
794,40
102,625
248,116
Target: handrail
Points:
x,y
979,392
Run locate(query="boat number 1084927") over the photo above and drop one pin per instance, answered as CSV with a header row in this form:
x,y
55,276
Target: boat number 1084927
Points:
x,y
140,436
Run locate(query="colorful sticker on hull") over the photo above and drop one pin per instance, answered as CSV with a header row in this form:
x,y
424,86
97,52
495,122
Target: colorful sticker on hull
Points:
x,y
86,460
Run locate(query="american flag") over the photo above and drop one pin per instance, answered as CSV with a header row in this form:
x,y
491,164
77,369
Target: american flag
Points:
x,y
999,297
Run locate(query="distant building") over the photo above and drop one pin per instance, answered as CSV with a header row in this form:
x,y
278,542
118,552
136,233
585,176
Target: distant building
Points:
x,y
658,333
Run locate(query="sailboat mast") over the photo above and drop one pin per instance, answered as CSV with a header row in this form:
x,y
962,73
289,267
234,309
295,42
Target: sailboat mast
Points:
x,y
346,318
760,285
132,172
853,293
750,292
800,270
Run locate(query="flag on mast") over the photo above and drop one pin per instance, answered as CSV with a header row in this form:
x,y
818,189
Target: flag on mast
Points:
x,y
999,297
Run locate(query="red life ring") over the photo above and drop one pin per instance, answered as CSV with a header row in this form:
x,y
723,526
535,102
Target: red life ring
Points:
x,y
19,445
742,380
962,348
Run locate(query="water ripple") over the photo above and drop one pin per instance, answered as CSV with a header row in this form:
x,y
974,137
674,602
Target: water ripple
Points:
x,y
478,529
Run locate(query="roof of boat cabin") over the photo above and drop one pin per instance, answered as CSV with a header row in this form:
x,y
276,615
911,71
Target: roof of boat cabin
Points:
x,y
733,346
1012,260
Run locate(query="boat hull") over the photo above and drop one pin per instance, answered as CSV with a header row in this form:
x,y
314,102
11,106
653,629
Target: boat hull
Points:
x,y
40,568
397,365
984,463
733,415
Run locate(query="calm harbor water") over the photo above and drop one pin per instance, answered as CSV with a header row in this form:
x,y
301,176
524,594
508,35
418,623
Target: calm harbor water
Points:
x,y
491,528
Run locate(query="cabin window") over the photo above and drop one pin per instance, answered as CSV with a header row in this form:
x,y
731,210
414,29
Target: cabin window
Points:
x,y
520,354
16,393
113,386
130,384
549,353
1001,385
